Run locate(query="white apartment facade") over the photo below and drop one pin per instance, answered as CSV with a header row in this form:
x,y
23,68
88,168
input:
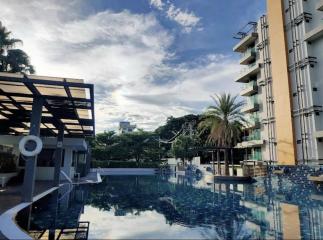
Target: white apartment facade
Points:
x,y
283,83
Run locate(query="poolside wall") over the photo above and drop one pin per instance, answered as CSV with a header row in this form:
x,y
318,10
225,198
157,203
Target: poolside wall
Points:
x,y
125,171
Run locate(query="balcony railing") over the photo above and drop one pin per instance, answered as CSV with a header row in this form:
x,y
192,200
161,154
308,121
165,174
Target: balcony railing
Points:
x,y
256,156
255,135
249,88
245,42
252,122
248,72
251,105
314,34
248,56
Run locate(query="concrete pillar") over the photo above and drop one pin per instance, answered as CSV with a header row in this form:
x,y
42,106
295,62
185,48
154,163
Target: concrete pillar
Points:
x,y
31,162
219,161
58,156
68,159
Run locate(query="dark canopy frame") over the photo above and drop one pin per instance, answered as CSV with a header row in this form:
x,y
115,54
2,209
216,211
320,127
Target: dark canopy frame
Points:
x,y
45,106
67,102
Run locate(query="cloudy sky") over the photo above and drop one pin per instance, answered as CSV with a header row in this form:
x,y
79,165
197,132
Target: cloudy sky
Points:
x,y
148,59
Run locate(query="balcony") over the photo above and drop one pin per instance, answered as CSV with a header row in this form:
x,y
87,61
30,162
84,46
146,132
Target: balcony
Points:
x,y
318,134
248,72
253,122
319,6
245,42
249,89
253,157
314,34
253,140
248,56
251,106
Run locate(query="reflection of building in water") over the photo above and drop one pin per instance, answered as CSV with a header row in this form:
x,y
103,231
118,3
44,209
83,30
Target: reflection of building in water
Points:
x,y
274,208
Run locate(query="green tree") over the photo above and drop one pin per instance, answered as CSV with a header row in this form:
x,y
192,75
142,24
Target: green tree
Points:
x,y
12,60
140,145
224,122
185,147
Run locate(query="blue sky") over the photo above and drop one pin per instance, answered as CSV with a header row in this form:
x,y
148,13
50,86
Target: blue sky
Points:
x,y
148,59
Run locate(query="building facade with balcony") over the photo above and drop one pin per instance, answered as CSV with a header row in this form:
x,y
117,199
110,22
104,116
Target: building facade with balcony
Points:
x,y
255,79
282,83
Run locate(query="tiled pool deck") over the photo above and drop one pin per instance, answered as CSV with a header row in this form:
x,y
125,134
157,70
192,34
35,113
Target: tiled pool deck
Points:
x,y
10,196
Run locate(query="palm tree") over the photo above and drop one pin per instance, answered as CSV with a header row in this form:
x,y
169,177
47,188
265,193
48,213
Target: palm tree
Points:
x,y
12,60
18,61
224,122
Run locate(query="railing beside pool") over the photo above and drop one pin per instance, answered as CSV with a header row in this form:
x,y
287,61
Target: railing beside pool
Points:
x,y
125,171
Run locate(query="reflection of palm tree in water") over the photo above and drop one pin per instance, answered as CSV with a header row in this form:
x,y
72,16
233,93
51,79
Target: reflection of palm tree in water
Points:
x,y
233,225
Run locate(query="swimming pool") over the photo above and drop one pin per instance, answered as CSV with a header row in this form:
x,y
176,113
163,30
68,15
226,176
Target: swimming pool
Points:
x,y
177,207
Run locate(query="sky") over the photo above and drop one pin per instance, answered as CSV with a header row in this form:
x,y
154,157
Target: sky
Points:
x,y
148,59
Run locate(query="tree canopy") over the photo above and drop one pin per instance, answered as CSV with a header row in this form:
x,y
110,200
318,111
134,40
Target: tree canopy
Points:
x,y
11,59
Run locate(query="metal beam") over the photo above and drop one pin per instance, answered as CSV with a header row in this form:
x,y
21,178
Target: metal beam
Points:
x,y
30,85
92,106
68,92
31,162
25,79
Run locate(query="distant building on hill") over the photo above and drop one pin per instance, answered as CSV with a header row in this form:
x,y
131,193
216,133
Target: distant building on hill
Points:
x,y
126,127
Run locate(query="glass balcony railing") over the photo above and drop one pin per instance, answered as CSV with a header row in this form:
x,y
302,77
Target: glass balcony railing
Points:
x,y
255,156
248,51
252,100
254,135
249,84
253,120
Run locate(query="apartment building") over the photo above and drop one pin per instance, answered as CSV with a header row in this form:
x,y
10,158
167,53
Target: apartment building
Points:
x,y
282,82
126,127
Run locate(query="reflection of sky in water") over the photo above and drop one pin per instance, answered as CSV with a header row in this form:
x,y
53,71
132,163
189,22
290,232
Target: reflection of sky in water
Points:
x,y
160,207
157,207
148,224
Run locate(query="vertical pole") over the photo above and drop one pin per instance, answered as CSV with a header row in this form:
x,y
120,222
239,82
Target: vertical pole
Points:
x,y
213,163
31,162
219,163
232,163
58,156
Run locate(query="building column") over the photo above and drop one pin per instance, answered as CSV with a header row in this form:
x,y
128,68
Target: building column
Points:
x,y
213,163
219,161
88,160
58,156
31,162
68,159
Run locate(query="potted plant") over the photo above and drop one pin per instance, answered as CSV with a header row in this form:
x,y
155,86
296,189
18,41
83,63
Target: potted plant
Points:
x,y
8,168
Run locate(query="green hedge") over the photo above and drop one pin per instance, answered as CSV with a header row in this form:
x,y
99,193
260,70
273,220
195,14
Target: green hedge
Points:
x,y
123,164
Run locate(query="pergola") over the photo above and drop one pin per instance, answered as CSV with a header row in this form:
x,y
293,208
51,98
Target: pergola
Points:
x,y
66,102
45,106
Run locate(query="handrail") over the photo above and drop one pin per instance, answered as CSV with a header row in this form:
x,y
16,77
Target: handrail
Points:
x,y
70,185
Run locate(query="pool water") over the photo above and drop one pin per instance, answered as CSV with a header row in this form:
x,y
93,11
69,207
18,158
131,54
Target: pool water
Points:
x,y
177,207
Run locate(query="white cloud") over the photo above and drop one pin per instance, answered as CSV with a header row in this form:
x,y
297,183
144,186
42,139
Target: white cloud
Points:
x,y
123,54
146,225
157,4
188,20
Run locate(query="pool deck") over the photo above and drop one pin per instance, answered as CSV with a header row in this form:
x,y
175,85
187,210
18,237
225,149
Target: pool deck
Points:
x,y
10,196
